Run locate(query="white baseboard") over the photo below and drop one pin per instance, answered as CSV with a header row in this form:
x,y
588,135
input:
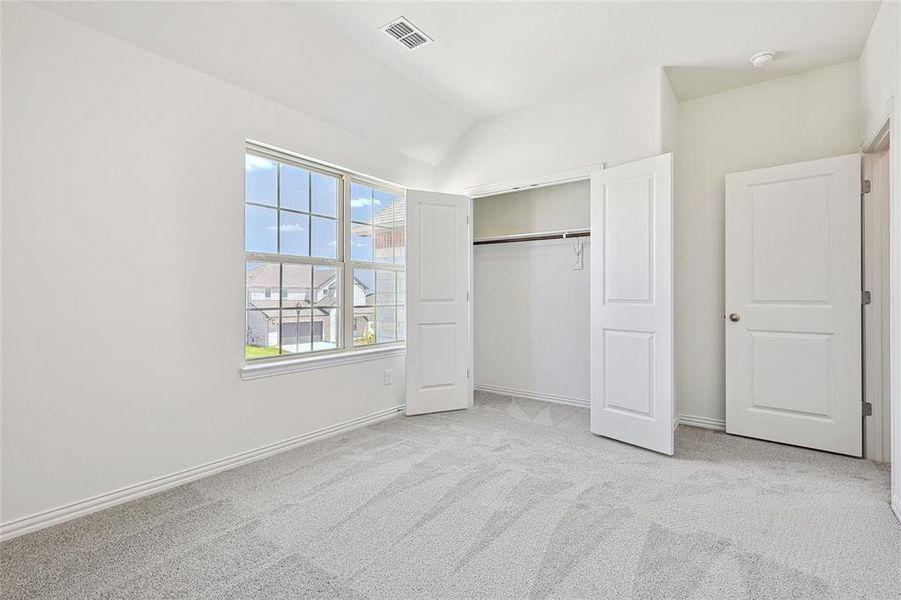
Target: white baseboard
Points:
x,y
87,506
704,422
681,419
496,389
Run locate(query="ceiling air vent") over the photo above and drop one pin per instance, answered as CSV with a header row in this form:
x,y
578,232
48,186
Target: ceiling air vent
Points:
x,y
406,33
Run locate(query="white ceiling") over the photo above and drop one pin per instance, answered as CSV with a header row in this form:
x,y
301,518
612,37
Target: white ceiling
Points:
x,y
498,56
329,59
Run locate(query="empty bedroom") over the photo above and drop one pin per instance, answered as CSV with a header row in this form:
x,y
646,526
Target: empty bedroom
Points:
x,y
432,300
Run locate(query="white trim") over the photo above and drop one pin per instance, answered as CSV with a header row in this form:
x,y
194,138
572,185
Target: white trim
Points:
x,y
876,267
703,422
273,152
886,127
555,178
87,506
556,399
879,135
255,370
681,419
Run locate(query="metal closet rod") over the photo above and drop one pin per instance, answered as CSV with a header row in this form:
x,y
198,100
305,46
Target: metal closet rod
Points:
x,y
554,235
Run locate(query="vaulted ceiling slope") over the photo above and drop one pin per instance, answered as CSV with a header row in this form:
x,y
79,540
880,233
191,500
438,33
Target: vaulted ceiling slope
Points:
x,y
499,56
282,51
331,61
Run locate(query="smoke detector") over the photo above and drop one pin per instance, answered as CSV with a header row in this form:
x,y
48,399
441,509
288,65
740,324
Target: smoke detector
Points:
x,y
408,34
762,59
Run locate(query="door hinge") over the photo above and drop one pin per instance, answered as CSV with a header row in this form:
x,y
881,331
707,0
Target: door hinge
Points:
x,y
868,409
865,298
867,186
467,296
467,373
467,219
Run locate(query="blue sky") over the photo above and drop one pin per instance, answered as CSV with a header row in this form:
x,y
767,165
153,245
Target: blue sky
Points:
x,y
303,190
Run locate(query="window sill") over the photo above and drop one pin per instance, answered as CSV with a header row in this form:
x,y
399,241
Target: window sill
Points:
x,y
255,370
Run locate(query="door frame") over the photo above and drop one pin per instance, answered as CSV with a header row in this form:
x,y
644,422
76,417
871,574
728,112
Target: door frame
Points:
x,y
885,129
547,179
875,326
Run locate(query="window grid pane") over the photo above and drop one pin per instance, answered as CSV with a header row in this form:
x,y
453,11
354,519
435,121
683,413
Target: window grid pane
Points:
x,y
379,315
296,329
296,307
293,188
261,336
324,195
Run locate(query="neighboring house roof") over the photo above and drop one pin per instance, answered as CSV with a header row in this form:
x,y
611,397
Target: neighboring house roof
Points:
x,y
296,276
266,275
394,216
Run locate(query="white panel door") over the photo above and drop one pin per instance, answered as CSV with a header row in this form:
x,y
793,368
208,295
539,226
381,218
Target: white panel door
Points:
x,y
632,303
793,312
439,352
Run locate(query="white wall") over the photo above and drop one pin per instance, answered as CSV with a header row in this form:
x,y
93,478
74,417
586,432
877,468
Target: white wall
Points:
x,y
552,208
802,117
531,319
122,249
896,292
879,65
615,122
530,305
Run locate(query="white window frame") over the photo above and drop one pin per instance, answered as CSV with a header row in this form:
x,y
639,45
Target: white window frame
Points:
x,y
346,352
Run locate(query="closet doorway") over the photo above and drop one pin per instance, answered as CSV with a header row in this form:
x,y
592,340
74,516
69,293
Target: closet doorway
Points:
x,y
553,324
531,292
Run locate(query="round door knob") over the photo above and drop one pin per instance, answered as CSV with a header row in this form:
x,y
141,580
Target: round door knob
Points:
x,y
735,317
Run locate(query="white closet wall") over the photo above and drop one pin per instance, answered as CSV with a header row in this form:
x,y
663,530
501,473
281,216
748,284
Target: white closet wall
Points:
x,y
530,305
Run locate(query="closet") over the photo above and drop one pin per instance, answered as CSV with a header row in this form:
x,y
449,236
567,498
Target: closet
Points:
x,y
531,292
564,295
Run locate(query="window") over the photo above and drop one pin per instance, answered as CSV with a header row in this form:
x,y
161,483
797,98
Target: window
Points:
x,y
312,232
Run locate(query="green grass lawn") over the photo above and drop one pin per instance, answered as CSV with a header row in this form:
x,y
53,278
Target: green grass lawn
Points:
x,y
259,351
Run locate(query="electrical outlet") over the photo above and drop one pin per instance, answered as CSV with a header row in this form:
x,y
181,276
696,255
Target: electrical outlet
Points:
x,y
387,376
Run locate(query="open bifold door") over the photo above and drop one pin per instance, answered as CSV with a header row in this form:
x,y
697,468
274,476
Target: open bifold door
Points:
x,y
632,303
439,247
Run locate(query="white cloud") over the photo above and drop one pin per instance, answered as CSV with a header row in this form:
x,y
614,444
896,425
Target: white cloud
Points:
x,y
359,202
288,227
257,163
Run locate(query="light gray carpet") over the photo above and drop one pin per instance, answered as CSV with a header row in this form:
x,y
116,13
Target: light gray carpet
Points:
x,y
512,499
